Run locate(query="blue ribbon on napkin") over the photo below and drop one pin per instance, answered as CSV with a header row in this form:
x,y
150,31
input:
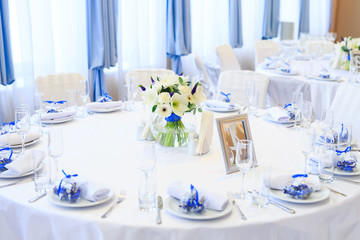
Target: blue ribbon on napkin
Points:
x,y
226,95
106,97
5,161
192,203
286,70
56,102
66,176
338,152
302,191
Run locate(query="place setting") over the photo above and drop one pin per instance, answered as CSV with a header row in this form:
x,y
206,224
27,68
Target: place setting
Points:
x,y
57,112
105,104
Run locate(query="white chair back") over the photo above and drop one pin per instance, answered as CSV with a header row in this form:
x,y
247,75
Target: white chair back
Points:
x,y
346,108
208,88
228,59
54,86
319,47
142,77
264,49
234,82
189,65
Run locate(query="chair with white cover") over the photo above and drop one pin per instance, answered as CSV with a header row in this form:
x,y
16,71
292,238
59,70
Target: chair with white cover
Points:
x,y
54,86
264,49
142,77
234,82
208,87
227,57
346,108
319,47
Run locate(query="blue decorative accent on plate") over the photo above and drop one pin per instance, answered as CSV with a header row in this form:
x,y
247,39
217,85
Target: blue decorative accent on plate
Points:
x,y
226,95
105,98
5,160
56,102
346,165
288,108
301,191
68,189
190,203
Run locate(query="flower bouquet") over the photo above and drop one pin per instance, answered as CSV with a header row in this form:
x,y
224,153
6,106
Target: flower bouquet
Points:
x,y
169,98
344,47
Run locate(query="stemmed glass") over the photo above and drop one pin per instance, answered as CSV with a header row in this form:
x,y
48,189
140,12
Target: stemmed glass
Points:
x,y
308,143
39,105
244,160
306,113
84,94
147,184
22,125
296,106
250,92
55,148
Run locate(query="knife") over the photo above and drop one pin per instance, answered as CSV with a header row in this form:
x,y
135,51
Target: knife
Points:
x,y
232,200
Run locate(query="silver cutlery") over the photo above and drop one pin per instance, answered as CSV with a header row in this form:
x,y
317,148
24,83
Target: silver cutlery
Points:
x,y
232,200
347,180
24,180
159,208
285,208
120,198
337,192
34,199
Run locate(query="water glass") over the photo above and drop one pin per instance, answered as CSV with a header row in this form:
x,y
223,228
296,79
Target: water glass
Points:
x,y
344,137
42,173
250,93
147,177
327,118
22,125
296,106
260,193
244,161
71,99
130,93
84,94
326,163
306,113
55,149
308,139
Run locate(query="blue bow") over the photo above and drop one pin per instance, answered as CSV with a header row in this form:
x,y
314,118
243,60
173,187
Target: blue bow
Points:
x,y
7,149
66,176
10,123
226,95
106,98
338,152
299,175
56,102
287,105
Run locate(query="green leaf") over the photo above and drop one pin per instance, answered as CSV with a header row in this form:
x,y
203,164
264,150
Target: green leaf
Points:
x,y
151,86
158,79
154,108
194,111
199,110
181,81
345,49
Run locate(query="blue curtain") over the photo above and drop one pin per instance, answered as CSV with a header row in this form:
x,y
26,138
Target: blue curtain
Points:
x,y
304,26
6,65
101,37
271,19
235,23
178,34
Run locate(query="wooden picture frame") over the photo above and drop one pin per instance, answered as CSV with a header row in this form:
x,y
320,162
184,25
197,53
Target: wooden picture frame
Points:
x,y
231,128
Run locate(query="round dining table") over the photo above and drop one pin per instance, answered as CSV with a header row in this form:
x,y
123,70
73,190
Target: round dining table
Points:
x,y
103,148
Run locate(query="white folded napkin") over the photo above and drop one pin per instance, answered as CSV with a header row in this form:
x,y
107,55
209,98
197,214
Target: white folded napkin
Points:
x,y
15,138
214,104
278,114
92,191
24,163
206,132
213,201
58,115
279,180
103,105
303,57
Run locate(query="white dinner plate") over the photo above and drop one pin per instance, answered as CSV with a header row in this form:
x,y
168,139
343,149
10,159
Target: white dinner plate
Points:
x,y
331,79
292,73
26,143
219,109
54,199
58,120
354,172
269,118
20,176
172,206
314,197
104,110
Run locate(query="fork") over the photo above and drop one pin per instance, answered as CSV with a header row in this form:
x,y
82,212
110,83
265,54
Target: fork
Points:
x,y
232,200
120,198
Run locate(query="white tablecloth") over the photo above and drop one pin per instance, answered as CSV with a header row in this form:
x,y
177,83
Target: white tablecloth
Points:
x,y
103,148
321,93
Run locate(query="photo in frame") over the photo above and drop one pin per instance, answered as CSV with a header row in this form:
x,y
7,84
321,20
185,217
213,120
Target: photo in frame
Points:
x,y
231,128
355,60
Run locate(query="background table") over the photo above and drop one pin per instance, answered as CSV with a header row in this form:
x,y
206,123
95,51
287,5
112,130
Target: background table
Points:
x,y
103,148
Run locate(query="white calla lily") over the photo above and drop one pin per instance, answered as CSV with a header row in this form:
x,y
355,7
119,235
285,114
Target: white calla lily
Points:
x,y
179,104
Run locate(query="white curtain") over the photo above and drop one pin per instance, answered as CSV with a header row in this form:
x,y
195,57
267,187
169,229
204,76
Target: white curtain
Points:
x,y
47,37
320,17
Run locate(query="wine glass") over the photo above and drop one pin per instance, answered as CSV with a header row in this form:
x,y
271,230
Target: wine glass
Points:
x,y
22,125
147,181
244,160
296,106
308,144
249,92
55,148
84,94
327,118
306,113
39,105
